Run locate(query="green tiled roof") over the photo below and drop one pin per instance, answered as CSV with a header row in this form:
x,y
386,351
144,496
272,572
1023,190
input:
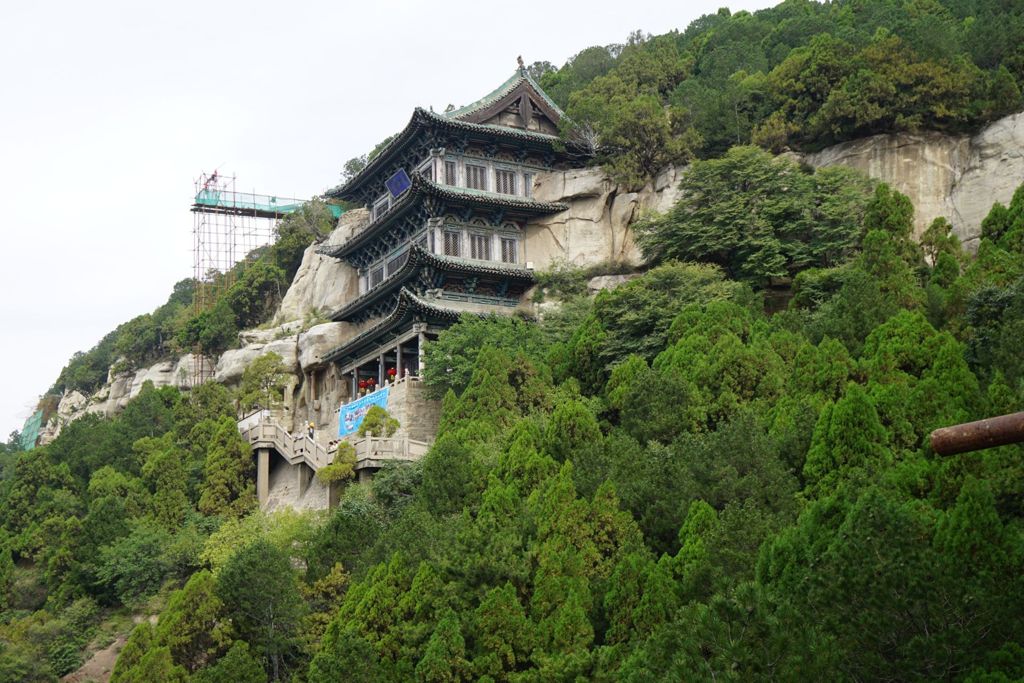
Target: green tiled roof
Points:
x,y
517,79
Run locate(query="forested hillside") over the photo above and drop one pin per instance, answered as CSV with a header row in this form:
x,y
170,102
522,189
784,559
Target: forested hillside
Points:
x,y
800,75
718,470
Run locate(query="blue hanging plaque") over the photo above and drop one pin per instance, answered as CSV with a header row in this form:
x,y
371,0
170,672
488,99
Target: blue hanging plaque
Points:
x,y
398,183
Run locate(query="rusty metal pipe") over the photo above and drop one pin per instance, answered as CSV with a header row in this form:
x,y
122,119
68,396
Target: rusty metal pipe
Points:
x,y
974,436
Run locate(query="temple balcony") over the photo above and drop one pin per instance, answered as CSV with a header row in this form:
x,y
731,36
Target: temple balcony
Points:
x,y
423,200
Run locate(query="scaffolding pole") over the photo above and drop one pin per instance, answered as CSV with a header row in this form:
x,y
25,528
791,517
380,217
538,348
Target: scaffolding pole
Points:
x,y
228,226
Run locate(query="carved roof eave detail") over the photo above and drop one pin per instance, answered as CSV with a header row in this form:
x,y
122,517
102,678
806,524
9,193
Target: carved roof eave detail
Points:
x,y
421,258
423,119
409,308
422,188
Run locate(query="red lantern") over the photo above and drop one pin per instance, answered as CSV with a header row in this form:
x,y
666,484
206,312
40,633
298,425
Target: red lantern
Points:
x,y
392,372
362,384
370,382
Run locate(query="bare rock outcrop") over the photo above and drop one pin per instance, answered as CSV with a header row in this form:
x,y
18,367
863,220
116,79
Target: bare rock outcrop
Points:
x,y
323,284
319,339
233,362
190,367
992,171
955,176
597,226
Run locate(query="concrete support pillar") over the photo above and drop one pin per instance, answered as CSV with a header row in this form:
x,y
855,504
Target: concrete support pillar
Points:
x,y
303,474
398,362
380,369
364,476
262,475
355,385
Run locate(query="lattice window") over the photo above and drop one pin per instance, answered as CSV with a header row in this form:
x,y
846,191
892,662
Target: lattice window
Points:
x,y
451,173
376,276
527,184
380,207
480,247
505,181
452,243
395,264
476,177
509,250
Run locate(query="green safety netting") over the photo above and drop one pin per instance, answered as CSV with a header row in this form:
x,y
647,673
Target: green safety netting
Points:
x,y
30,432
255,202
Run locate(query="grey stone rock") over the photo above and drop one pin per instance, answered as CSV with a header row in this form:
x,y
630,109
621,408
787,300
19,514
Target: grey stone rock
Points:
x,y
954,176
601,282
323,284
319,339
258,336
233,362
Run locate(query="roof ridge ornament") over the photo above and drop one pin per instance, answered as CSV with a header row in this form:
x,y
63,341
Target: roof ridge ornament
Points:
x,y
522,67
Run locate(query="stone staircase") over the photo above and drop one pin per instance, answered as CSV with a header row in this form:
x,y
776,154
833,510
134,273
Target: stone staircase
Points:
x,y
290,483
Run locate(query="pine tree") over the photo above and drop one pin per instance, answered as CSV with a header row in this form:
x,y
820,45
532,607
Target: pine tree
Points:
x,y
193,624
502,634
849,442
163,470
445,658
236,666
260,593
228,488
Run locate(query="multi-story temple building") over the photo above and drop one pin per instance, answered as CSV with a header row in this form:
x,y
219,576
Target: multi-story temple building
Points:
x,y
448,198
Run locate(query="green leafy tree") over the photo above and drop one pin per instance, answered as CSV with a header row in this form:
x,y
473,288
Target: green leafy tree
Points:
x,y
449,362
378,423
238,665
254,297
135,565
296,231
263,382
758,217
341,467
260,594
192,625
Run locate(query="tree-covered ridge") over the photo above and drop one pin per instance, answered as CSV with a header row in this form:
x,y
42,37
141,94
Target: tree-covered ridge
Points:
x,y
802,74
249,295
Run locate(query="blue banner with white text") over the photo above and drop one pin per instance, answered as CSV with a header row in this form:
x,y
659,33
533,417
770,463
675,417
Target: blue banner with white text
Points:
x,y
351,415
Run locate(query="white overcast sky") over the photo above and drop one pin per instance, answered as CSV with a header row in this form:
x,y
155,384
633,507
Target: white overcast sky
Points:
x,y
109,110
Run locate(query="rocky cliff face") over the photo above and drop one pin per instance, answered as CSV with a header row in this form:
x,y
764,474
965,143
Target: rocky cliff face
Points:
x,y
597,226
958,177
323,284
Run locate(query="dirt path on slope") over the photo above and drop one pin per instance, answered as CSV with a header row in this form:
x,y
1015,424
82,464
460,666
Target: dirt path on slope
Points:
x,y
99,666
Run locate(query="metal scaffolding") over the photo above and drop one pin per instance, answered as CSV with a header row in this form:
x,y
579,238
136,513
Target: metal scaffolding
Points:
x,y
228,226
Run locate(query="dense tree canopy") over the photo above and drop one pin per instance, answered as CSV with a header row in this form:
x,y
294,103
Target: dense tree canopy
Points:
x,y
800,74
717,470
